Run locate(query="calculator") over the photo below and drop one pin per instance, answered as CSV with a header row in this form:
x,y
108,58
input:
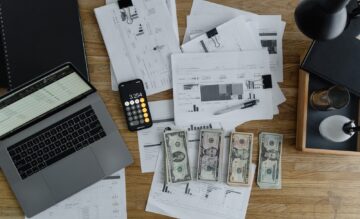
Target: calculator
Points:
x,y
135,105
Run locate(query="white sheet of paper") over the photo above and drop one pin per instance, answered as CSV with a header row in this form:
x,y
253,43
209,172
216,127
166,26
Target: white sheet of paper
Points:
x,y
235,35
171,5
105,199
205,83
207,15
146,32
197,199
150,140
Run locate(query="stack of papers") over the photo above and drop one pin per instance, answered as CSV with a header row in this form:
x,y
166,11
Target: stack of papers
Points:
x,y
139,40
214,28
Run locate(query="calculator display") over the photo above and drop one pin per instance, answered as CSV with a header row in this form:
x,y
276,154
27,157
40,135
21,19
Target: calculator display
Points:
x,y
134,101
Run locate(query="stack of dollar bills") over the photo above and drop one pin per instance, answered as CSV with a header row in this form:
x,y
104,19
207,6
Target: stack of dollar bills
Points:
x,y
269,169
211,158
177,167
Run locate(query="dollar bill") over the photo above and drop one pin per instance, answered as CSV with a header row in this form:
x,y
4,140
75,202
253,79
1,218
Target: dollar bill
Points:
x,y
269,172
210,153
176,157
240,156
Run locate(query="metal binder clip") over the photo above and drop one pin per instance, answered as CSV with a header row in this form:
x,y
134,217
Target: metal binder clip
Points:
x,y
126,15
265,82
212,34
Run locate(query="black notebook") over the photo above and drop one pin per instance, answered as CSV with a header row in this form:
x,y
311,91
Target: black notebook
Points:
x,y
338,60
38,35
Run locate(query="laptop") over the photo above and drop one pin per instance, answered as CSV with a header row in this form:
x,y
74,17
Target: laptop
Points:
x,y
57,138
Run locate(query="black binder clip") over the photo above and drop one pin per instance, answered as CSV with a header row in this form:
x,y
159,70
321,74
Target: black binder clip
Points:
x,y
125,10
265,82
212,34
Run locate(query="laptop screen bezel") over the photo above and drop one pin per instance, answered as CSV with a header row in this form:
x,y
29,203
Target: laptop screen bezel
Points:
x,y
52,111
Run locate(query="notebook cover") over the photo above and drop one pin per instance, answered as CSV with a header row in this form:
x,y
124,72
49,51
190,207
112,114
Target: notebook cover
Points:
x,y
337,61
38,35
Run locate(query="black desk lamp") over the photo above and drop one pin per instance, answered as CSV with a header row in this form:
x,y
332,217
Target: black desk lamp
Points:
x,y
323,19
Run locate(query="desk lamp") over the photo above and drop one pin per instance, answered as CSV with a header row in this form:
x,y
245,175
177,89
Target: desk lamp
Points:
x,y
323,19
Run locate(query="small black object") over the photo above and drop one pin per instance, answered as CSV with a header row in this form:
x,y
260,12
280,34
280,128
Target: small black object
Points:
x,y
135,105
125,3
267,81
212,33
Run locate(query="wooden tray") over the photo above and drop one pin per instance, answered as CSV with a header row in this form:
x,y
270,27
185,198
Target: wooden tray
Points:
x,y
308,138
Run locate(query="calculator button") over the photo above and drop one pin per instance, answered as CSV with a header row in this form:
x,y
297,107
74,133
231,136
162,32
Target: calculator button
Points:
x,y
132,102
147,120
137,101
144,110
141,121
146,115
143,105
127,109
142,100
127,103
134,123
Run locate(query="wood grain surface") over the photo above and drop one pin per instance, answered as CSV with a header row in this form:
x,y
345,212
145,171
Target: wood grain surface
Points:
x,y
313,185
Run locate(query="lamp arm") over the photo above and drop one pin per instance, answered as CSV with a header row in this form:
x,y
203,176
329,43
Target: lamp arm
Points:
x,y
355,12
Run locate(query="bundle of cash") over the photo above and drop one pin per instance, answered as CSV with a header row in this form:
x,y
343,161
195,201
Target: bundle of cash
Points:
x,y
269,172
240,156
210,154
177,167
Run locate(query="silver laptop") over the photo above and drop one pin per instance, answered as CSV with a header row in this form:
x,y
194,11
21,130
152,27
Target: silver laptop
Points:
x,y
56,138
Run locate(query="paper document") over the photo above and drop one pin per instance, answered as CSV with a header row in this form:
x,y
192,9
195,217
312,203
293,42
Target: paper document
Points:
x,y
171,4
235,35
151,139
105,199
209,82
207,15
146,32
197,199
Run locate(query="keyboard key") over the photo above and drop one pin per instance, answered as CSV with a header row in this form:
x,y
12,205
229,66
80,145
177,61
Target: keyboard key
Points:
x,y
33,163
39,160
20,163
102,134
46,157
95,130
53,132
41,166
60,156
63,140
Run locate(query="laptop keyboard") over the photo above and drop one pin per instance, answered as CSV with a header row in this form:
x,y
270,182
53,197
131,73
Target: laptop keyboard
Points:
x,y
56,142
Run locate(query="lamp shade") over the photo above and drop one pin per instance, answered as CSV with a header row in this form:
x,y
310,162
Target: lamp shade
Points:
x,y
322,19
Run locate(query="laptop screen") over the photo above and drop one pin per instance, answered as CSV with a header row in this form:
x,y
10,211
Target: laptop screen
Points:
x,y
39,98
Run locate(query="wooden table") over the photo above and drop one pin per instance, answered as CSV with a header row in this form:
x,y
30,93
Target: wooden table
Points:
x,y
313,185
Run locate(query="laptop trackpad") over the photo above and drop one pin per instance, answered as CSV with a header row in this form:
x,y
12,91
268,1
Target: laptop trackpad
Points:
x,y
73,174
